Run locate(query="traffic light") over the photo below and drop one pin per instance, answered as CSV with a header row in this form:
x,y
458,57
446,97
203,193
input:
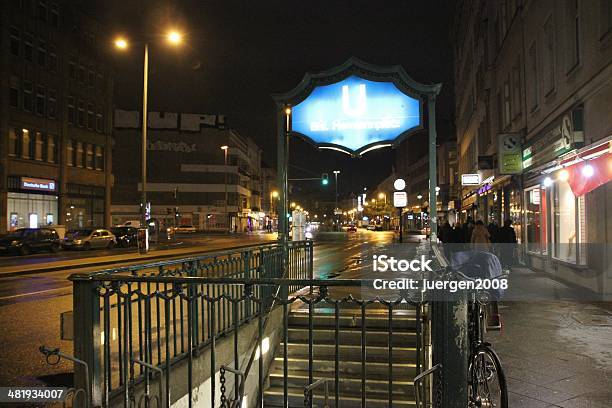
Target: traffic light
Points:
x,y
325,179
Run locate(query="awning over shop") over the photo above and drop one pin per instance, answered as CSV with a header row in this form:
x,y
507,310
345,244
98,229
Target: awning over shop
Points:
x,y
587,175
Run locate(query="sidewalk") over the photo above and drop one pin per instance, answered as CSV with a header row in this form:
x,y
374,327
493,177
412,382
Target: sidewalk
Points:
x,y
556,353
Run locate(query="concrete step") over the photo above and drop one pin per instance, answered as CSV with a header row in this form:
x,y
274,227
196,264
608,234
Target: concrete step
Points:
x,y
351,367
327,351
348,383
352,336
404,321
273,397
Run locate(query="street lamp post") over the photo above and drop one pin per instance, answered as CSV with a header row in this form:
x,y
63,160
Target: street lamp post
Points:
x,y
225,148
174,38
145,86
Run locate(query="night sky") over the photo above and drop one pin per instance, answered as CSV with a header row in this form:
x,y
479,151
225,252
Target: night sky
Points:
x,y
238,53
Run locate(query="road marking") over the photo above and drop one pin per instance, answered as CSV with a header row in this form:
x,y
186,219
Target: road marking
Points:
x,y
33,293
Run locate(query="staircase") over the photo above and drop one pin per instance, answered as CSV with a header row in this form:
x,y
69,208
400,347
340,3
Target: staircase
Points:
x,y
404,358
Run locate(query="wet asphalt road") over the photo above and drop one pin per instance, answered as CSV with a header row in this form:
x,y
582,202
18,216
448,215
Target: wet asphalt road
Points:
x,y
30,305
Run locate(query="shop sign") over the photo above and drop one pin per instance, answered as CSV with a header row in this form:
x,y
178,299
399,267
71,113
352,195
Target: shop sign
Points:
x,y
485,162
564,135
470,179
509,148
484,189
29,183
400,199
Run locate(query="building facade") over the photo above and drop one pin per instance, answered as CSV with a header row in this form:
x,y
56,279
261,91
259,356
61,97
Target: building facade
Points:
x,y
55,104
190,179
533,84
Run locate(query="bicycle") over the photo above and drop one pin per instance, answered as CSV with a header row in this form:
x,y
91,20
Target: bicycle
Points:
x,y
487,387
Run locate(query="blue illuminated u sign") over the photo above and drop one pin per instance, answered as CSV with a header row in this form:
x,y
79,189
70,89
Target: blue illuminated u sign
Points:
x,y
355,114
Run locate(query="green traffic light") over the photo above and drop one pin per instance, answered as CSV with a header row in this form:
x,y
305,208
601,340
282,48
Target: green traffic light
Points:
x,y
324,182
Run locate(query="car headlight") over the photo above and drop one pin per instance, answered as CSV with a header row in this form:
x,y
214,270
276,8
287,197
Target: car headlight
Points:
x,y
78,241
14,243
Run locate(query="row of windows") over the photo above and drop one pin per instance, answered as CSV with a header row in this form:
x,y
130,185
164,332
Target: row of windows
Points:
x,y
44,102
28,144
86,155
37,99
45,55
82,114
33,50
44,11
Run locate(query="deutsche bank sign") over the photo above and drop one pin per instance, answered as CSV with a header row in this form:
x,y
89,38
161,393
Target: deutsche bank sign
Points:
x,y
355,114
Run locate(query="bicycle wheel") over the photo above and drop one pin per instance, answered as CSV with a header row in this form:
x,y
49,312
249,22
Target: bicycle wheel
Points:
x,y
487,382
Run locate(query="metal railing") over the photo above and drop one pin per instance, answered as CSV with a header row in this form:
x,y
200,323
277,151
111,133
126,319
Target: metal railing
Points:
x,y
192,290
131,319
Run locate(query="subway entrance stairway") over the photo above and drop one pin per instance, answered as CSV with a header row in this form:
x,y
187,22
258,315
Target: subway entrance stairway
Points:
x,y
360,363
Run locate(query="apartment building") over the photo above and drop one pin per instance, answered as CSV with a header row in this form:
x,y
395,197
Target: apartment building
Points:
x,y
55,104
534,120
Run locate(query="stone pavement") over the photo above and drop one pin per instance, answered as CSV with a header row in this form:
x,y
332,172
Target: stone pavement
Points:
x,y
556,352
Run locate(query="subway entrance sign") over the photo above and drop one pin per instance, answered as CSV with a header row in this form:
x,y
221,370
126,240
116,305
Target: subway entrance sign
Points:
x,y
356,107
356,114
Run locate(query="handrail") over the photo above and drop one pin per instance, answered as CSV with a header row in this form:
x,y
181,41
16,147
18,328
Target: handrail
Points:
x,y
196,280
257,341
308,391
172,262
48,352
417,381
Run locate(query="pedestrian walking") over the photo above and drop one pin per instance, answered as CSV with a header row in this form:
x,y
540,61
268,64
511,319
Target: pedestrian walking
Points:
x,y
507,242
480,239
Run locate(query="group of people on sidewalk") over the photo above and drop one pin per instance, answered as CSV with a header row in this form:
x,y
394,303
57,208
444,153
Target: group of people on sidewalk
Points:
x,y
475,235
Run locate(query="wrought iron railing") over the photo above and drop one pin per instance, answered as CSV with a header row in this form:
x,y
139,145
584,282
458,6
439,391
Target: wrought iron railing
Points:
x,y
130,319
332,297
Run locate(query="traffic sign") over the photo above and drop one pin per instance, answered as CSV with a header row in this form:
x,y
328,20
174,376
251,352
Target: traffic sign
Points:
x,y
400,199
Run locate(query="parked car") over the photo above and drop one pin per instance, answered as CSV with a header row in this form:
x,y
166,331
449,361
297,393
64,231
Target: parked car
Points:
x,y
125,236
25,240
88,238
185,229
351,228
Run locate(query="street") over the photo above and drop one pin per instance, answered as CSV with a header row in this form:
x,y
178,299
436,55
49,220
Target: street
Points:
x,y
30,305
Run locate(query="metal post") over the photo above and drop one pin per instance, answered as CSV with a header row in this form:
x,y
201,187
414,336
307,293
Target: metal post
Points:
x,y
450,347
336,172
433,216
401,225
283,128
87,339
227,217
145,85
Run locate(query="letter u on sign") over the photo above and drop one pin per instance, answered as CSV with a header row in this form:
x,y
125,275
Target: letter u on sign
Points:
x,y
361,101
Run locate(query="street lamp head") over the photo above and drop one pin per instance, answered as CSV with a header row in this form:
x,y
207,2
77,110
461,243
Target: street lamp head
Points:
x,y
381,195
174,37
224,147
293,205
275,194
336,171
287,111
419,196
121,43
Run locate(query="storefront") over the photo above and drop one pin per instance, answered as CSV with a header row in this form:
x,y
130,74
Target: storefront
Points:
x,y
31,202
565,193
84,206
